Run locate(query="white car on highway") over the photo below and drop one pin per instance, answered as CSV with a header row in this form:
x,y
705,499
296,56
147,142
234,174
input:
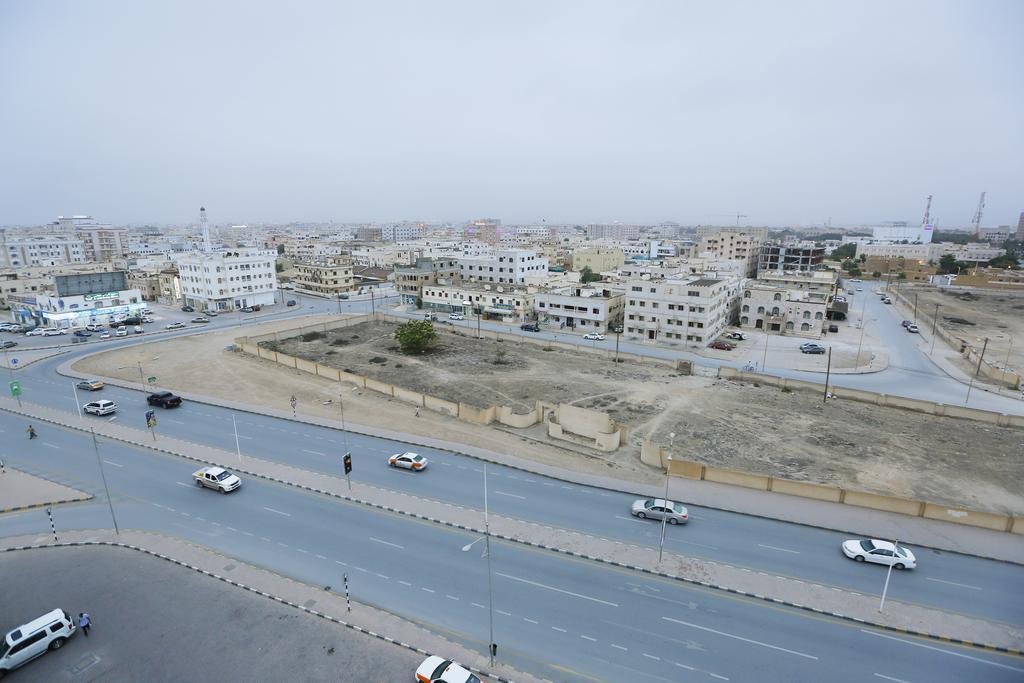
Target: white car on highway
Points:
x,y
100,407
434,669
456,316
174,325
216,478
409,461
880,552
657,508
35,332
594,336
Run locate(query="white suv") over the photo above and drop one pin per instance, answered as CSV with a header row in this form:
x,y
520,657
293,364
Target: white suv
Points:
x,y
33,639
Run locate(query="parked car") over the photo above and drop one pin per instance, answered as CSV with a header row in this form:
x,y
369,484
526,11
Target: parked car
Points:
x,y
886,300
814,350
879,552
248,309
132,320
721,345
35,332
913,328
430,316
810,344
137,329
31,640
658,508
530,327
200,319
434,669
121,332
907,323
8,344
54,332
164,399
409,461
291,302
833,328
594,336
100,407
456,316
90,385
174,326
93,327
737,335
210,313
105,335
188,309
216,478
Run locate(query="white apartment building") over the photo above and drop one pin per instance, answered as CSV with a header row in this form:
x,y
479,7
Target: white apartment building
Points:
x,y
972,252
228,280
103,242
690,309
899,233
733,245
40,251
616,231
492,302
823,281
590,309
395,232
504,266
780,310
312,250
383,257
916,252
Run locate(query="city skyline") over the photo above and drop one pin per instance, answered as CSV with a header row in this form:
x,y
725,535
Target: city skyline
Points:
x,y
690,114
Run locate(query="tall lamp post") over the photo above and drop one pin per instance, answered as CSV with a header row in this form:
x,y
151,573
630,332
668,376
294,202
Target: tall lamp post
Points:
x,y
664,516
492,647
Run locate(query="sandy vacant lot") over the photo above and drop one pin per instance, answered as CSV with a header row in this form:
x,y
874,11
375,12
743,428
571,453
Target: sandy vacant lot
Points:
x,y
758,429
973,314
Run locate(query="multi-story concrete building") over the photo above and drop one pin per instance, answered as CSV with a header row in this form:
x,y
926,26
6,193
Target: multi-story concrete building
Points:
x,y
733,245
822,281
779,257
591,309
505,266
972,252
310,251
615,231
781,310
77,300
327,278
902,232
395,232
1020,228
228,280
40,251
410,280
677,310
487,230
506,303
598,259
383,256
103,242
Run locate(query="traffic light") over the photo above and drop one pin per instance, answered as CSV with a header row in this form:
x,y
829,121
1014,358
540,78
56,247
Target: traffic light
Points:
x,y
347,460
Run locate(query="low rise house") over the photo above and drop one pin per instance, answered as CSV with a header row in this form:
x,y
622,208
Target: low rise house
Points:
x,y
781,310
507,303
589,308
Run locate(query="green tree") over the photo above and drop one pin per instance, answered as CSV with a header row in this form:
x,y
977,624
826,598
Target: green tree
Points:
x,y
278,267
877,274
416,336
855,272
846,251
901,276
280,249
863,258
849,264
587,275
948,264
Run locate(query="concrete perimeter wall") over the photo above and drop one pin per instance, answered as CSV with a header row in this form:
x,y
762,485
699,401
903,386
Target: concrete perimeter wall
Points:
x,y
1000,419
654,455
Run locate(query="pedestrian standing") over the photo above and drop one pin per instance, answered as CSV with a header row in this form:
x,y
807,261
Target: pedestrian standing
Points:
x,y
84,622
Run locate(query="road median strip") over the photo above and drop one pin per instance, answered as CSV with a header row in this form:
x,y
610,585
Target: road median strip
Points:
x,y
925,622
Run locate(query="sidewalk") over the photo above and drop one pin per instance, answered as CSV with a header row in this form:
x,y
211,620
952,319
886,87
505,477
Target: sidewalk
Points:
x,y
327,604
21,491
818,598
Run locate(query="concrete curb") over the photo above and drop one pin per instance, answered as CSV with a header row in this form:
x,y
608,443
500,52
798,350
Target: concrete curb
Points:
x,y
257,591
565,476
572,553
43,505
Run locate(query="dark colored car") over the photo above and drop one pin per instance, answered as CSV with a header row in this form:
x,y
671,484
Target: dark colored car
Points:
x,y
133,320
83,333
164,399
814,350
721,345
530,327
291,302
188,309
8,344
833,328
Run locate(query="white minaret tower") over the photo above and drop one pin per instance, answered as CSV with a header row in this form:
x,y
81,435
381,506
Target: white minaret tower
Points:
x,y
207,247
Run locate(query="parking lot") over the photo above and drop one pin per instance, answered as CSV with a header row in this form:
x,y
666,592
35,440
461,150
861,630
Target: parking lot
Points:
x,y
153,616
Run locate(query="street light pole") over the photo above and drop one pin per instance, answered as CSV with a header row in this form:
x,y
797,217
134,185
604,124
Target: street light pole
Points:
x,y
103,474
935,321
976,371
885,589
828,373
664,515
863,324
764,361
238,448
490,589
78,405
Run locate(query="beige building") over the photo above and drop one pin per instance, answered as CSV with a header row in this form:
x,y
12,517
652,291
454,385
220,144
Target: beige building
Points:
x,y
681,309
409,280
780,310
506,303
584,307
327,278
822,281
148,284
598,259
733,245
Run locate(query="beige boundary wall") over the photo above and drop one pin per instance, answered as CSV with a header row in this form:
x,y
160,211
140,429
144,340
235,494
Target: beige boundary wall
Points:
x,y
654,455
999,419
565,420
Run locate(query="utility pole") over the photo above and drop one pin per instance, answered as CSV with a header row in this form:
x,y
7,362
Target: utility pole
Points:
x,y
863,324
977,215
915,307
976,371
764,361
935,322
103,474
828,373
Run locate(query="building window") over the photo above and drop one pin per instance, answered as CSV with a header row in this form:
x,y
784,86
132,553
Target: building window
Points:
x,y
789,326
746,295
804,327
777,297
807,315
760,309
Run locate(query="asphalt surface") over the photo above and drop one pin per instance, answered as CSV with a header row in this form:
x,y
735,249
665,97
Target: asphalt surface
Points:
x,y
948,581
554,616
156,621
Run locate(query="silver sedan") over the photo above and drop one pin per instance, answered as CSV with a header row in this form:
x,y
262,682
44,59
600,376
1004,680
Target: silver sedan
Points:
x,y
656,508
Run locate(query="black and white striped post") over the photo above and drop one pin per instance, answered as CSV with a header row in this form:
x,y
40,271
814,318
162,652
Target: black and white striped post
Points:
x,y
348,600
52,526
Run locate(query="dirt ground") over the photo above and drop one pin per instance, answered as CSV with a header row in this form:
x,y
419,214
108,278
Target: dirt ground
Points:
x,y
973,314
718,422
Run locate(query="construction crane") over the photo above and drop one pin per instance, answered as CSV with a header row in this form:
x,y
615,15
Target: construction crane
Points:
x,y
738,217
977,216
927,212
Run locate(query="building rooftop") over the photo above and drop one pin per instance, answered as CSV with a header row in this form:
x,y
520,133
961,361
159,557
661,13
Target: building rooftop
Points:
x,y
704,282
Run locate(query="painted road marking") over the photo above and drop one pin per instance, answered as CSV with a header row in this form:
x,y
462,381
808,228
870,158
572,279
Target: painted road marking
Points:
x,y
405,583
630,519
890,678
593,640
177,422
619,647
781,550
746,640
510,495
50,445
276,511
306,450
954,583
115,464
561,630
393,545
429,590
558,590
180,484
530,621
948,652
699,545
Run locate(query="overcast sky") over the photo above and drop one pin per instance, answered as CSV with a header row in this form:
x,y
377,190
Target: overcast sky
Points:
x,y
788,112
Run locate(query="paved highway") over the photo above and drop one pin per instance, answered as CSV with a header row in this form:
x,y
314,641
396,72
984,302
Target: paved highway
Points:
x,y
945,580
554,616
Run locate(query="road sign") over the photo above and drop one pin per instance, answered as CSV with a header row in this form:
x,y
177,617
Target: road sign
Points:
x,y
15,388
347,460
151,379
14,361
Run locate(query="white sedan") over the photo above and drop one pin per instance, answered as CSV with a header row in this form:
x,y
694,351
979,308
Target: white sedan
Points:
x,y
100,407
594,336
409,461
434,669
35,332
456,316
53,331
880,552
